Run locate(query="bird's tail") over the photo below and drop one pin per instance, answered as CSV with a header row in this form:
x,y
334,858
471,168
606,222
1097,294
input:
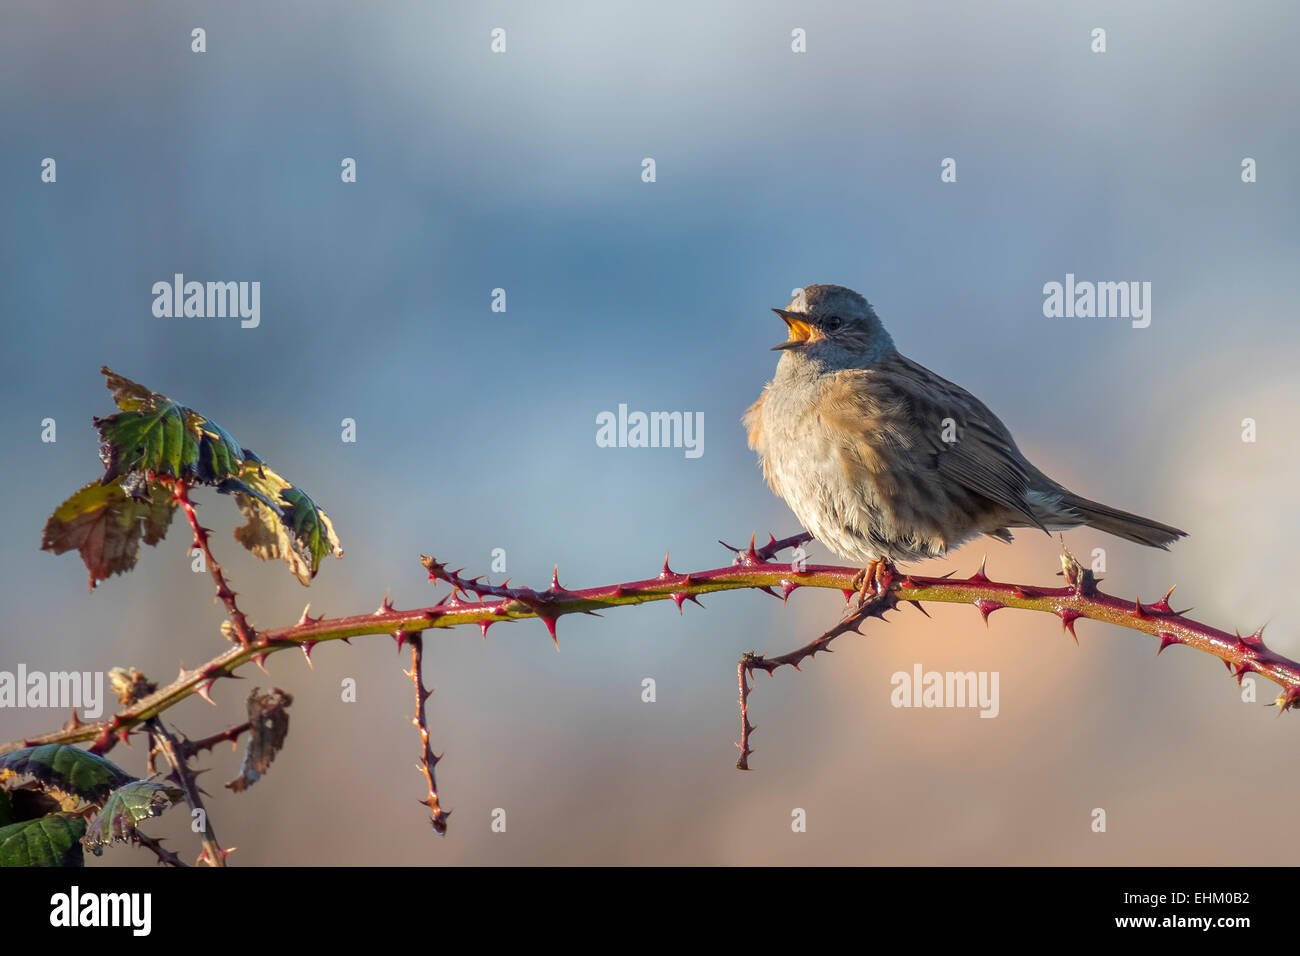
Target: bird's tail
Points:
x,y
1121,523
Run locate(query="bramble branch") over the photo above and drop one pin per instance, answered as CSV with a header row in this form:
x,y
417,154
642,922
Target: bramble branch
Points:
x,y
165,856
1079,599
437,815
475,601
188,748
180,490
167,745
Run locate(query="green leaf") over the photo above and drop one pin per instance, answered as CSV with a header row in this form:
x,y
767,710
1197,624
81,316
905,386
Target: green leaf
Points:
x,y
126,807
54,840
283,522
153,434
68,769
105,524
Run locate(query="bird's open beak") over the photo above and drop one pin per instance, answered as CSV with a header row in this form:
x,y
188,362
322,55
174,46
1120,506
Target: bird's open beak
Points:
x,y
801,333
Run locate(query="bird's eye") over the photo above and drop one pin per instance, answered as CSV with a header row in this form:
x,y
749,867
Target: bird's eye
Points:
x,y
831,323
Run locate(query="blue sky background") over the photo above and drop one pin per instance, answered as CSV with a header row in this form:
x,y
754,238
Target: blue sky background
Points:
x,y
476,430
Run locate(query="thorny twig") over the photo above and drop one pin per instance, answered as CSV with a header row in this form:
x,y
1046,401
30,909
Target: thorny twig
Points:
x,y
752,661
752,569
180,492
437,815
188,748
164,855
167,745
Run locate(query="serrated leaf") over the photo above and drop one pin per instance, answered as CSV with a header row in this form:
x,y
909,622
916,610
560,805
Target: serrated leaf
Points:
x,y
125,808
106,524
283,522
155,434
268,722
53,840
69,769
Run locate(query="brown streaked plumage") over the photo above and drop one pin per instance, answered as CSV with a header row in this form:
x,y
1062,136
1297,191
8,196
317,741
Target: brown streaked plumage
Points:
x,y
883,460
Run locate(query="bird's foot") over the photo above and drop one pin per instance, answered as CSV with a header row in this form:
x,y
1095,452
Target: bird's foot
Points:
x,y
873,580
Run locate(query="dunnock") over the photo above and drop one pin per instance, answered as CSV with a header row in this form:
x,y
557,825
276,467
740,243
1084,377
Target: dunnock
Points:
x,y
883,461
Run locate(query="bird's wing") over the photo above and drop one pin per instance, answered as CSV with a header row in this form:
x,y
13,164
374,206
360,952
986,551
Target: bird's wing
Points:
x,y
909,410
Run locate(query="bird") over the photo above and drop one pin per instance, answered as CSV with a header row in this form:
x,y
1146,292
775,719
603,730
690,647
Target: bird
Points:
x,y
884,461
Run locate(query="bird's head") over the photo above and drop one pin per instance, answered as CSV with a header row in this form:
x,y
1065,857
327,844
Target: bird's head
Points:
x,y
833,326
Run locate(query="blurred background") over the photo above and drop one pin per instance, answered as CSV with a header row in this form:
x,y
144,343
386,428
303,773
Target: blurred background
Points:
x,y
476,430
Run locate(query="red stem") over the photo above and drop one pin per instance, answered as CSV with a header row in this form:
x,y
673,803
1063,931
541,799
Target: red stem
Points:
x,y
180,492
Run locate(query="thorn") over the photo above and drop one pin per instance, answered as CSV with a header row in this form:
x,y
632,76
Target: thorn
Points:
x,y
979,577
1137,611
1254,641
550,626
848,594
987,607
1162,606
1023,593
1244,668
667,571
787,587
483,626
307,647
1167,640
260,660
399,636
751,556
618,591
679,597
555,578
385,605
728,547
1068,617
907,582
921,608
203,691
306,618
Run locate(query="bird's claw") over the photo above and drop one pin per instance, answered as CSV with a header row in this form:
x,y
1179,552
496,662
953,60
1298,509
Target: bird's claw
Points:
x,y
873,580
